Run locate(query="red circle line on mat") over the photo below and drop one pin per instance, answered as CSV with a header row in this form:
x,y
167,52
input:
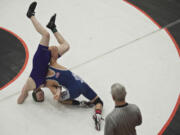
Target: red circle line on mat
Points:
x,y
26,59
178,50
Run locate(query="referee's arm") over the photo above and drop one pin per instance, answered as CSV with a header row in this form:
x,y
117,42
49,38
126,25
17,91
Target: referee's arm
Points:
x,y
139,122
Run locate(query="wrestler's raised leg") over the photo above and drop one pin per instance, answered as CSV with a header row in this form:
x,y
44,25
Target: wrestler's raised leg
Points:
x,y
63,44
39,28
44,33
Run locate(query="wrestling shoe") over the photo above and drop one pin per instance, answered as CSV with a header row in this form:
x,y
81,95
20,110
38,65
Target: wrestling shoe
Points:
x,y
31,9
51,25
97,117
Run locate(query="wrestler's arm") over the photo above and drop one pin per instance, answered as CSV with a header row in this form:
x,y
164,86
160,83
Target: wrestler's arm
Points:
x,y
23,95
56,91
28,86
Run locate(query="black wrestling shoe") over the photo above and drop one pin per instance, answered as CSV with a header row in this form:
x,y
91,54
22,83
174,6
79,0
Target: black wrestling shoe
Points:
x,y
51,25
31,9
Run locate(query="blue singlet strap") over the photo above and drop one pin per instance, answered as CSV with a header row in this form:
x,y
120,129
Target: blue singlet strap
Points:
x,y
53,69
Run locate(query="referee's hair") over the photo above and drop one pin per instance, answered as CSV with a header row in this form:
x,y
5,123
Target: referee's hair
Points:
x,y
118,92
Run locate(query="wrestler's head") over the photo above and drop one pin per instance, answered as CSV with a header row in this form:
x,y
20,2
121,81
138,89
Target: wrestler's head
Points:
x,y
38,95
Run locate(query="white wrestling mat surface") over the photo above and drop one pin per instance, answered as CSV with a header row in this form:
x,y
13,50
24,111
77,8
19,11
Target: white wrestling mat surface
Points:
x,y
110,42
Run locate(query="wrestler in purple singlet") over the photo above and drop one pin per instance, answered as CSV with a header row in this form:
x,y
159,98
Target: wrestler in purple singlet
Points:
x,y
41,61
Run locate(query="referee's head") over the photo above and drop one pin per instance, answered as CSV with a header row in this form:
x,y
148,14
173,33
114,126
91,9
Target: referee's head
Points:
x,y
118,92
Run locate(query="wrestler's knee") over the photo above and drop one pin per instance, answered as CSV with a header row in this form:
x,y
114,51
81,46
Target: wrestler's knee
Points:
x,y
97,100
46,35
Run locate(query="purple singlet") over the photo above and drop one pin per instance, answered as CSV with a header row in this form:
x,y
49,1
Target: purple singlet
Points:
x,y
41,61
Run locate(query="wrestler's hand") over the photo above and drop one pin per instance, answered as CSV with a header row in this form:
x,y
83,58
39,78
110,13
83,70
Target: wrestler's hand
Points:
x,y
22,97
58,94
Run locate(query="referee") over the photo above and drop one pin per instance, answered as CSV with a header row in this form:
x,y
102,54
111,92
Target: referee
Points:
x,y
125,117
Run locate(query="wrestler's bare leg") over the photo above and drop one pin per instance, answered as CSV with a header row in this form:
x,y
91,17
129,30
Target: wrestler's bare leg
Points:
x,y
97,106
63,44
41,30
67,102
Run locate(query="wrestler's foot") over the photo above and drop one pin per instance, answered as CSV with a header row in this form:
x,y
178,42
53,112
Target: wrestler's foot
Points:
x,y
97,117
22,97
51,25
31,9
97,120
